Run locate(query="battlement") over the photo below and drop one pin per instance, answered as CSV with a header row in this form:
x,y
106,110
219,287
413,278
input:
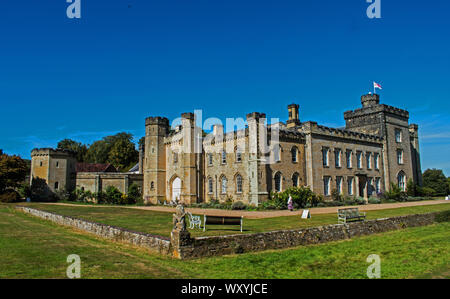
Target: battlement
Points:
x,y
256,115
157,120
369,100
313,128
376,109
51,152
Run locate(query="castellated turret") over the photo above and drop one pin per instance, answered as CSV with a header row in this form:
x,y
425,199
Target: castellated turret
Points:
x,y
156,129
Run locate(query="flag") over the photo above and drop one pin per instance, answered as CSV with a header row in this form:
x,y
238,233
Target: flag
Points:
x,y
376,85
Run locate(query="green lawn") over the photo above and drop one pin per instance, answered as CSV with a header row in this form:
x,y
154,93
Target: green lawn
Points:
x,y
34,248
160,223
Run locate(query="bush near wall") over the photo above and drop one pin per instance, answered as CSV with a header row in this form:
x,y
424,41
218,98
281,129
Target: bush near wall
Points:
x,y
302,197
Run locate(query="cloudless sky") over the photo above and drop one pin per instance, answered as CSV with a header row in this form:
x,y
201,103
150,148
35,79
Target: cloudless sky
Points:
x,y
125,60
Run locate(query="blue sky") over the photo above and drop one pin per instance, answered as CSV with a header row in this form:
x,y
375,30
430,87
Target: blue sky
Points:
x,y
125,60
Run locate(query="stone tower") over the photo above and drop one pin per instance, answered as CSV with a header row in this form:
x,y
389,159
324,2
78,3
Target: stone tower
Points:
x,y
190,160
391,124
257,139
156,129
294,119
56,167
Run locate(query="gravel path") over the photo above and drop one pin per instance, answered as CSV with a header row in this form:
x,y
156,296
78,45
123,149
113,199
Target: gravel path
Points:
x,y
270,214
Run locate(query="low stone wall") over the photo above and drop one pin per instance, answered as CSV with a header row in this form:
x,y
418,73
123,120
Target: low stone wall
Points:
x,y
155,243
221,245
182,246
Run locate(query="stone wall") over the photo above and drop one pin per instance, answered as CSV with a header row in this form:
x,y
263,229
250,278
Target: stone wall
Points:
x,y
232,244
154,243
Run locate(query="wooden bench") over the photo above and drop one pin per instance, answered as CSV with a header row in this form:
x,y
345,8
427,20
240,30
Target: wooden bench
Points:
x,y
222,220
350,215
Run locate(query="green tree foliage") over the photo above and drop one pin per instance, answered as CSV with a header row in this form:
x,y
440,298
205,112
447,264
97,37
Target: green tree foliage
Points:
x,y
13,171
123,154
301,196
119,150
436,180
395,193
78,148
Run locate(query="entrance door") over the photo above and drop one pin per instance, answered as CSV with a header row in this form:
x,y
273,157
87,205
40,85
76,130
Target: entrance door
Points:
x,y
362,185
176,189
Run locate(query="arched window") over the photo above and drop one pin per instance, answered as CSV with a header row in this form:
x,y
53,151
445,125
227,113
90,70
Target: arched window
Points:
x,y
210,185
278,182
401,179
294,154
238,183
152,185
295,179
224,185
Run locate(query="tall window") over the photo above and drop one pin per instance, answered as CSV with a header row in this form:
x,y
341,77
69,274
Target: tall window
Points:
x,y
56,185
401,178
224,185
294,154
278,182
348,156
238,155
238,183
295,178
224,157
326,185
325,156
377,185
210,159
400,156
57,164
339,184
337,157
359,160
376,160
369,160
277,153
210,185
398,135
175,157
350,185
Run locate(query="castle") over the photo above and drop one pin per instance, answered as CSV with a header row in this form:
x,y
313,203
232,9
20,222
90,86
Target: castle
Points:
x,y
377,146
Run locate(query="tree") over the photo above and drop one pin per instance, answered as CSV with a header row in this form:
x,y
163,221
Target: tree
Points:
x,y
118,150
13,171
123,155
436,180
78,148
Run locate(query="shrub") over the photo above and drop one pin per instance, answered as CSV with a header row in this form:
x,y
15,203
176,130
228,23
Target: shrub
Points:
x,y
134,194
374,200
360,201
24,190
238,205
395,193
336,195
426,191
113,195
9,196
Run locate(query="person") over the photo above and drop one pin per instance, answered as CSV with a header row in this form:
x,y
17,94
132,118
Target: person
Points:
x,y
290,204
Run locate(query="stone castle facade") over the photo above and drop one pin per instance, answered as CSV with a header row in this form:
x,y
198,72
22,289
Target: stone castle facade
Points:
x,y
376,147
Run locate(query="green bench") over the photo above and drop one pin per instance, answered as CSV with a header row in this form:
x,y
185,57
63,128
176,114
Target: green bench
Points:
x,y
350,215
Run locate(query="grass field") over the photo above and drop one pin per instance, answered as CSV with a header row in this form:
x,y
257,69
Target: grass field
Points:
x,y
160,223
34,248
